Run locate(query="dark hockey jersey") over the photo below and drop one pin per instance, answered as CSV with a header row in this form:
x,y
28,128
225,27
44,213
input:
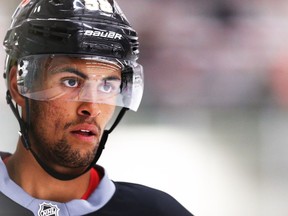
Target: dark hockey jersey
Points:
x,y
109,199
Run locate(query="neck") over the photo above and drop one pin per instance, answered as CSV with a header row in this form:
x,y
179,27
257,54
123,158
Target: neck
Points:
x,y
24,170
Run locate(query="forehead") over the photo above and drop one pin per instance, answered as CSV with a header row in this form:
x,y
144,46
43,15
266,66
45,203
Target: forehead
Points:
x,y
84,64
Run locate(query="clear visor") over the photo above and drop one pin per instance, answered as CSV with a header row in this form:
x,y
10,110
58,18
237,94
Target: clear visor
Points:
x,y
81,78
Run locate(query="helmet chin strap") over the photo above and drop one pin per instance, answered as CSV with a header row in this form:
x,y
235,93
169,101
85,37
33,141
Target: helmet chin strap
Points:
x,y
25,140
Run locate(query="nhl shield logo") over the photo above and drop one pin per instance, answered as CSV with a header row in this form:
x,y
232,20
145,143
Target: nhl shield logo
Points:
x,y
47,209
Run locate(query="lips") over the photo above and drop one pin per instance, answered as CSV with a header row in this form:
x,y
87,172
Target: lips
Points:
x,y
85,130
84,133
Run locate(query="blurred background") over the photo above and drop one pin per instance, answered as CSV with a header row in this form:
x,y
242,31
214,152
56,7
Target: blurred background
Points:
x,y
212,129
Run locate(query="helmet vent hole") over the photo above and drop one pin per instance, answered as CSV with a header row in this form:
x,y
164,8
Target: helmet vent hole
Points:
x,y
52,33
55,2
20,72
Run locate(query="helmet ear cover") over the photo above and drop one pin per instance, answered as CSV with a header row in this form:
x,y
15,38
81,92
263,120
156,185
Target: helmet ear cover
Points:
x,y
9,63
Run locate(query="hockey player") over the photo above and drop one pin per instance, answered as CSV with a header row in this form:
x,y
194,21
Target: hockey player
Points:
x,y
69,65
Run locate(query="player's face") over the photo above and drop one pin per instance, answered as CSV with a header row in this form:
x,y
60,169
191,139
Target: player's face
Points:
x,y
66,133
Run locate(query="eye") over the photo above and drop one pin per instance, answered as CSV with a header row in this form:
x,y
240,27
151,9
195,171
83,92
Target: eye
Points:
x,y
109,87
71,82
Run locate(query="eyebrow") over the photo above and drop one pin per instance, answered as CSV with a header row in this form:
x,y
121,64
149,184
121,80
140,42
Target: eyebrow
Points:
x,y
70,70
82,75
111,78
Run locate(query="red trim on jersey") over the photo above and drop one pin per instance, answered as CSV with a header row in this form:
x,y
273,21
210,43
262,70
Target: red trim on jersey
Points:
x,y
5,160
93,183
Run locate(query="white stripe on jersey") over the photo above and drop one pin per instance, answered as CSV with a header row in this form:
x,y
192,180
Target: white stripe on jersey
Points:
x,y
97,200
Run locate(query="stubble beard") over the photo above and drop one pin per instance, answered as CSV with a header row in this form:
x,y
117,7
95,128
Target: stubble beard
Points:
x,y
62,154
58,152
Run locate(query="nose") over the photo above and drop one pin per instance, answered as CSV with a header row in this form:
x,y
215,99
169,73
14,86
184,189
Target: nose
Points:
x,y
89,92
89,109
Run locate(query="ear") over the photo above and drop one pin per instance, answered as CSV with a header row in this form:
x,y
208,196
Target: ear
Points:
x,y
17,97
